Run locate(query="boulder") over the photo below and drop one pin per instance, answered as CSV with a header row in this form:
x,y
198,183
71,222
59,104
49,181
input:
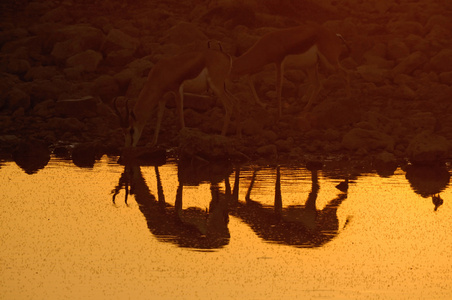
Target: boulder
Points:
x,y
372,73
117,40
17,66
86,61
17,98
427,148
183,34
359,138
193,143
397,49
45,109
81,108
385,164
41,72
442,62
74,39
412,62
268,150
119,57
105,87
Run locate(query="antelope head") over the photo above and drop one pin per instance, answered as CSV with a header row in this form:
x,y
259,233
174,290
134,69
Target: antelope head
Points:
x,y
128,124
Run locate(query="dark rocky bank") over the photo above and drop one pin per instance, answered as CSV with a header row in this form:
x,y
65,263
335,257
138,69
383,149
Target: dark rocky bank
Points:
x,y
63,62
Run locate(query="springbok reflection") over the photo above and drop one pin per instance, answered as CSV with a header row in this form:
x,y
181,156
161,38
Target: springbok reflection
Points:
x,y
192,227
297,225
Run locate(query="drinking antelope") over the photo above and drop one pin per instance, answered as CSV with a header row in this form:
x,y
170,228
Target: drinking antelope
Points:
x,y
209,68
306,46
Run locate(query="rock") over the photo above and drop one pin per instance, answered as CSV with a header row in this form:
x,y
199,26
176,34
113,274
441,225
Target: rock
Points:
x,y
17,66
183,34
41,72
397,49
427,148
81,108
268,150
442,62
56,15
385,164
86,61
85,155
74,39
119,57
372,73
105,87
359,138
251,127
412,62
71,125
193,143
117,40
42,89
45,109
446,78
335,113
422,121
17,98
404,28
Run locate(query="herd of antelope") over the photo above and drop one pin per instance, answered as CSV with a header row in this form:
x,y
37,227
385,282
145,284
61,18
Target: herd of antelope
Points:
x,y
308,46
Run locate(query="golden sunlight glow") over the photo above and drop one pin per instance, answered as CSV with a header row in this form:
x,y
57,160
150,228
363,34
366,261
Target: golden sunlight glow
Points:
x,y
63,237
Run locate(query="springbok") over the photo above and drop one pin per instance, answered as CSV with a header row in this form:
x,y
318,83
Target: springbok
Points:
x,y
209,68
305,46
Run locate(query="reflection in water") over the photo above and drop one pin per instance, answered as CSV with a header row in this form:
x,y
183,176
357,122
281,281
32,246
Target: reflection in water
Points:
x,y
298,225
428,181
31,156
192,227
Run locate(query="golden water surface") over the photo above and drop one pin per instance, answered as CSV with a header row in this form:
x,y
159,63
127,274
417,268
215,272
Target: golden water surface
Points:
x,y
63,237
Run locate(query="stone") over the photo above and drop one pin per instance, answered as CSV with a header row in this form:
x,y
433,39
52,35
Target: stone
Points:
x,y
397,49
427,148
86,61
45,109
183,34
194,143
119,57
81,108
105,87
372,73
385,163
116,40
17,66
268,150
41,72
412,62
442,62
405,28
74,39
359,138
17,98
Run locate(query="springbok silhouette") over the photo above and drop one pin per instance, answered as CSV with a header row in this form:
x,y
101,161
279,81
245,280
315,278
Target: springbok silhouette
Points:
x,y
301,225
189,228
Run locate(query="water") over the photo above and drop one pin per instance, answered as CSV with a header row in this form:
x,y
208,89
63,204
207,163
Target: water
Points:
x,y
179,234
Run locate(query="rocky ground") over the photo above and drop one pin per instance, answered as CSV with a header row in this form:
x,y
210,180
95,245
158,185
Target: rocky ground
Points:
x,y
63,62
